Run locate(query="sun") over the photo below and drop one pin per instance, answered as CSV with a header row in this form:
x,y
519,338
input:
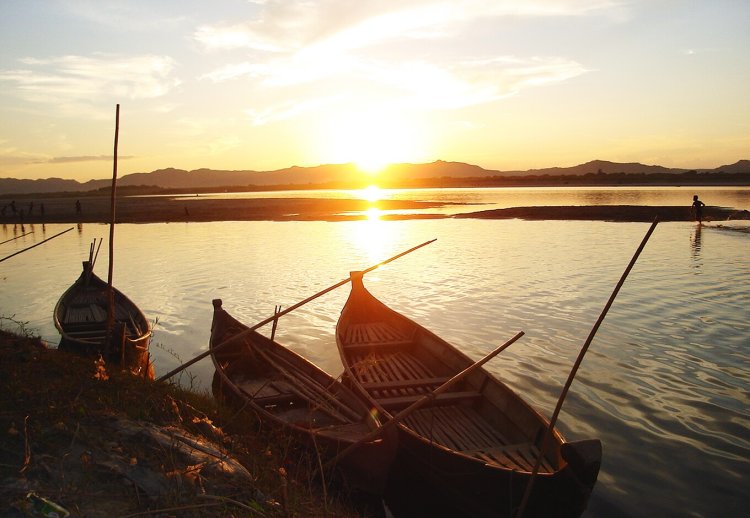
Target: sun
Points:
x,y
373,139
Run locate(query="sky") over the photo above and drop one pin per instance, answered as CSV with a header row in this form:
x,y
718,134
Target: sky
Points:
x,y
268,84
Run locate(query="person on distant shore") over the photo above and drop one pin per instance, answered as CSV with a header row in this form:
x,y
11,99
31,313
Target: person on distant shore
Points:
x,y
78,206
698,209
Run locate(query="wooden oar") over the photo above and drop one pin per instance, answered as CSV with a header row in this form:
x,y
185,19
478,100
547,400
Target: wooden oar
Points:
x,y
574,370
33,246
310,389
287,310
423,401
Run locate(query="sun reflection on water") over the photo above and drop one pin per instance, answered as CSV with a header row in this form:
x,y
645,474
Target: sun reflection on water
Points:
x,y
373,235
371,193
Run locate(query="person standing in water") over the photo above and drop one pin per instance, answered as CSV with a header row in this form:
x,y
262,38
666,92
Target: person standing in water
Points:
x,y
698,209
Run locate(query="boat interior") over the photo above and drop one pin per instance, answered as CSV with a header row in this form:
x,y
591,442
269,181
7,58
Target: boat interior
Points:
x,y
387,363
289,390
84,315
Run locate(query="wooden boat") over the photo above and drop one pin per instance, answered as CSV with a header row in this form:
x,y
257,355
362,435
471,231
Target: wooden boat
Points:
x,y
288,392
476,443
81,318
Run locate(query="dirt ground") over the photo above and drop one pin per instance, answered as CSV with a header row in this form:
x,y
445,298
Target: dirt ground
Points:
x,y
102,443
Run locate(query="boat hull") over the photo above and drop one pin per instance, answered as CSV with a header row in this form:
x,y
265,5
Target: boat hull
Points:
x,y
253,372
476,444
80,316
459,487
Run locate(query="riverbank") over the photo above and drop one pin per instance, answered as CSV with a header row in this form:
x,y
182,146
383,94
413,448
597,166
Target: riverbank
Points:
x,y
167,209
103,443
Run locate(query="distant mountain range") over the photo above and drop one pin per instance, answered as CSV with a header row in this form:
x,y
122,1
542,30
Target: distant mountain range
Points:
x,y
434,174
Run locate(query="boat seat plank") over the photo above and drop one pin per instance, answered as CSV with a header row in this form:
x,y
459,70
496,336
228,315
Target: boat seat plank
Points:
x,y
83,326
91,332
402,401
409,383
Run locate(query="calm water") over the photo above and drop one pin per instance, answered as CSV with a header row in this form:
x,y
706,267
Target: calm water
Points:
x,y
467,200
666,383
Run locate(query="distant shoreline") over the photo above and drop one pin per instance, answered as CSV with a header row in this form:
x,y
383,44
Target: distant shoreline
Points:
x,y
165,209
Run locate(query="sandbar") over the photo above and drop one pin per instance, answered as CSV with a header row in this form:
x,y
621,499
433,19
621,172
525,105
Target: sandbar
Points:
x,y
165,209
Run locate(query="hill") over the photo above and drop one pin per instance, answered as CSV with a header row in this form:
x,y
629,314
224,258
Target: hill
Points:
x,y
434,174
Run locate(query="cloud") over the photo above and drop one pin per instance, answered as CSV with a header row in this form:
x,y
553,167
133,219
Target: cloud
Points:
x,y
75,82
471,82
26,159
368,50
290,25
290,109
127,16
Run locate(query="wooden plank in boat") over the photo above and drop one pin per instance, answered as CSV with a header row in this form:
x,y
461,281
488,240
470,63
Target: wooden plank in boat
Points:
x,y
88,332
77,314
402,401
463,433
427,427
491,433
99,313
417,382
378,345
458,429
515,456
372,333
437,423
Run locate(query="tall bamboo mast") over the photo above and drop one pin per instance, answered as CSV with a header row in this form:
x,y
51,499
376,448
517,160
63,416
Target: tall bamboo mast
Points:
x,y
110,290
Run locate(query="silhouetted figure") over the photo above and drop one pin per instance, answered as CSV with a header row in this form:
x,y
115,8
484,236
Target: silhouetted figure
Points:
x,y
31,207
41,209
78,206
2,211
20,217
698,209
13,206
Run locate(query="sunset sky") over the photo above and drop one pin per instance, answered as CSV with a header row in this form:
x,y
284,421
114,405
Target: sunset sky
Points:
x,y
267,84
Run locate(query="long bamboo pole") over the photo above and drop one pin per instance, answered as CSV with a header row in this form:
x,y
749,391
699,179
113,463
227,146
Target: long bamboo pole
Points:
x,y
287,310
423,400
34,246
574,370
110,290
17,237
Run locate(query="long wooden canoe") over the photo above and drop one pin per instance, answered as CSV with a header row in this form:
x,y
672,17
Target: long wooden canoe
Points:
x,y
478,442
80,316
290,393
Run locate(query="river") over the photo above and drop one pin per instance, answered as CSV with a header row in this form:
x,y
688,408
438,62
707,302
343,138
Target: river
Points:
x,y
665,384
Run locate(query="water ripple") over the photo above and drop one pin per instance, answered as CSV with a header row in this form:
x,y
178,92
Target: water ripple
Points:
x,y
665,384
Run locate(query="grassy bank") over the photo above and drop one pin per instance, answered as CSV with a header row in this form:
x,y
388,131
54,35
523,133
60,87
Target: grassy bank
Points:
x,y
103,443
